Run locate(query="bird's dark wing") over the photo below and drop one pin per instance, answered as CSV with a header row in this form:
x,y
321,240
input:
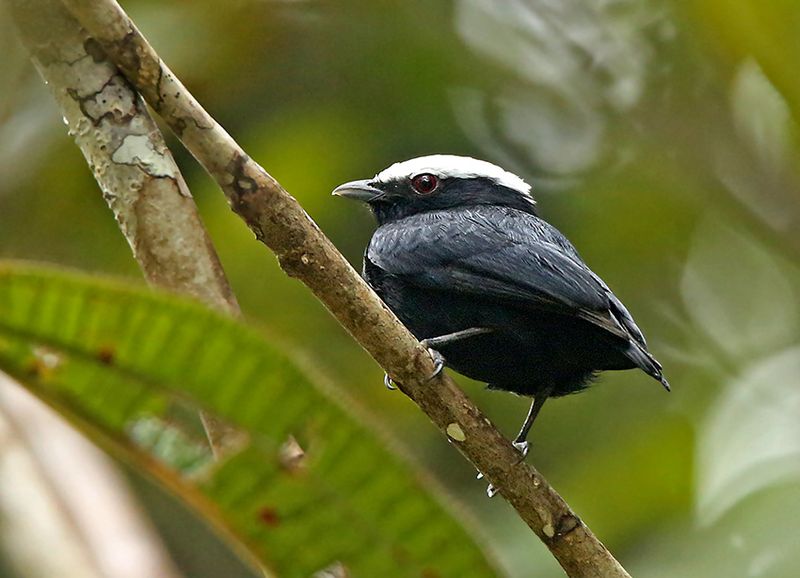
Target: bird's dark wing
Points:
x,y
499,253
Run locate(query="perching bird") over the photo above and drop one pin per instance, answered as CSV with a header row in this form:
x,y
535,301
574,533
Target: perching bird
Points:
x,y
464,261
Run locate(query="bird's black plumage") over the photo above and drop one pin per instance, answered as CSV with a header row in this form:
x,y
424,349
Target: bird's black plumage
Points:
x,y
472,253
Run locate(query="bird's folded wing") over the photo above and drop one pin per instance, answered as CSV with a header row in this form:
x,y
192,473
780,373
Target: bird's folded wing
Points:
x,y
487,261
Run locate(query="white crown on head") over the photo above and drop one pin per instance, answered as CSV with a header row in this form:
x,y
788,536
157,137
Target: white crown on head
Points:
x,y
454,166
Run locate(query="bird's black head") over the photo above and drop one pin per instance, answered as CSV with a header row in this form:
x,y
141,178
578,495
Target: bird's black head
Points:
x,y
438,182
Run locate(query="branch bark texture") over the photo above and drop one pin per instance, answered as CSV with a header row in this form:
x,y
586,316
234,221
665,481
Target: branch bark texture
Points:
x,y
127,154
305,253
130,160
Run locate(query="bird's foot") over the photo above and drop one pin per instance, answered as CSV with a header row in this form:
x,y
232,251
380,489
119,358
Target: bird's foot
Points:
x,y
523,446
438,360
438,366
491,491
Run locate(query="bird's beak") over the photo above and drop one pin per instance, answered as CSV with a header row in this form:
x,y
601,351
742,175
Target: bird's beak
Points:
x,y
358,190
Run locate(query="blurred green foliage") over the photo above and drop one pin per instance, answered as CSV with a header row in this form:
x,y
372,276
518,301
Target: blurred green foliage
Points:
x,y
303,484
661,137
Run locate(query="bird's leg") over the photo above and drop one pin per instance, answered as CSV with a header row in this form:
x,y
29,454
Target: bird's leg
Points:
x,y
521,441
433,343
447,339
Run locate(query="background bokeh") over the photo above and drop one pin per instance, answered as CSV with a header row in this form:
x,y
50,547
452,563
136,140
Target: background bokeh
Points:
x,y
660,137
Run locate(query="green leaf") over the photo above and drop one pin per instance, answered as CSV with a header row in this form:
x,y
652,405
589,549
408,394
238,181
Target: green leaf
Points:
x,y
304,484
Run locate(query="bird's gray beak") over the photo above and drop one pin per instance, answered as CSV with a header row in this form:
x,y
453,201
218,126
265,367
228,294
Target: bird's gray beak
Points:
x,y
358,190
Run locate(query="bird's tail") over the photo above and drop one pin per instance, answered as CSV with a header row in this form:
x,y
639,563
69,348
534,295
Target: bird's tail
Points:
x,y
646,362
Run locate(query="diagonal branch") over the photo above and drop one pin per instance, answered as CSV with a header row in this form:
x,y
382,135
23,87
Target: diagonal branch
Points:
x,y
305,253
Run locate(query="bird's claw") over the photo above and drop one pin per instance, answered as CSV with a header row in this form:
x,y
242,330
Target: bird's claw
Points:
x,y
523,446
438,366
491,491
438,360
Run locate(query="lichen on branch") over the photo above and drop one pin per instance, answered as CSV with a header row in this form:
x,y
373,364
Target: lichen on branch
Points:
x,y
126,153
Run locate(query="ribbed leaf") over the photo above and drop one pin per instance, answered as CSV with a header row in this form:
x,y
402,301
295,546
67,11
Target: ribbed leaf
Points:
x,y
132,367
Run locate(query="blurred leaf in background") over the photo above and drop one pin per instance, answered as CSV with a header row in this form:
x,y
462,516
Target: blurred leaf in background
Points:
x,y
305,485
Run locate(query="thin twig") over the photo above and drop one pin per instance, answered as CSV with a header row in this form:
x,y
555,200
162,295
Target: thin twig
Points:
x,y
130,160
305,253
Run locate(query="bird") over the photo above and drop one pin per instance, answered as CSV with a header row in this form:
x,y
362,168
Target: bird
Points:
x,y
463,259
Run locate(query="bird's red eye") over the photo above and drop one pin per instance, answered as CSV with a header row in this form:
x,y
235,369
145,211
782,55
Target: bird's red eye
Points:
x,y
425,183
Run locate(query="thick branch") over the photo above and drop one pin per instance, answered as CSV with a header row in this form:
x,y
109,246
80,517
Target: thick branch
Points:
x,y
305,253
127,154
130,160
